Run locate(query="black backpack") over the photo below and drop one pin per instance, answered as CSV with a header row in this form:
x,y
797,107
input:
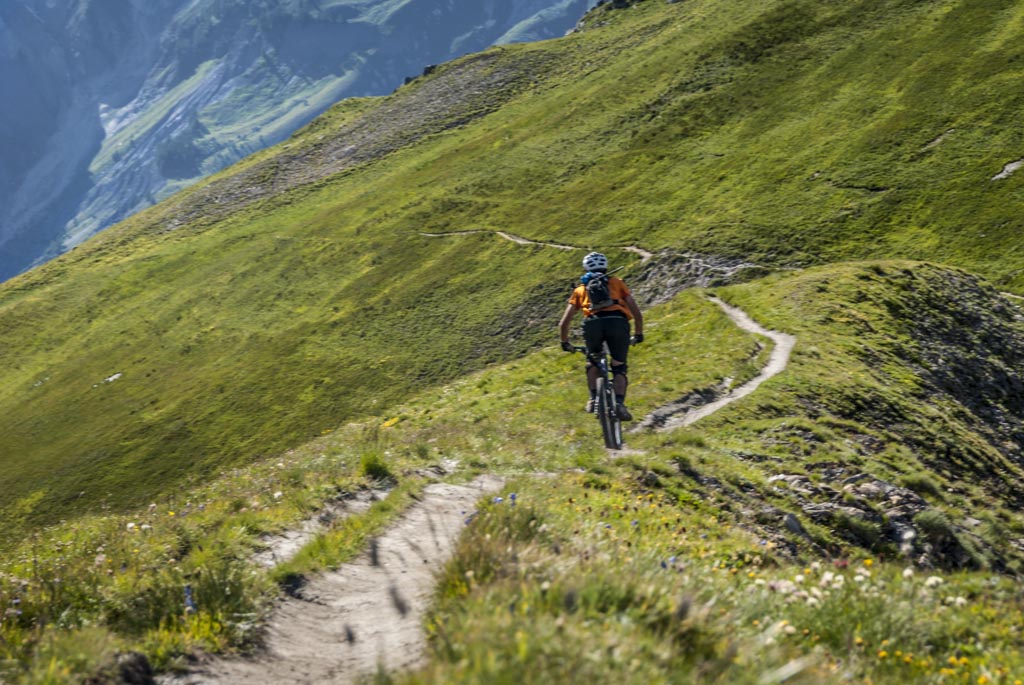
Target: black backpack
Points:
x,y
599,292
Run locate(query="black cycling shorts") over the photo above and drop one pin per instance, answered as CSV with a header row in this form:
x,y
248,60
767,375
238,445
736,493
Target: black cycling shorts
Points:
x,y
613,330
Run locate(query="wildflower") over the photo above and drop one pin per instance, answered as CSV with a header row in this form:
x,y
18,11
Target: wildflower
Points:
x,y
278,494
130,526
868,562
789,630
816,566
190,604
498,500
826,579
145,526
798,578
908,573
960,601
933,581
858,640
882,654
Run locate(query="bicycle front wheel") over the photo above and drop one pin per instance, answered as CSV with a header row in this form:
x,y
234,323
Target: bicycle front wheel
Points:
x,y
611,427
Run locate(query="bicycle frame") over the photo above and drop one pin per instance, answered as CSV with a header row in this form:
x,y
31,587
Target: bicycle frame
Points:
x,y
605,407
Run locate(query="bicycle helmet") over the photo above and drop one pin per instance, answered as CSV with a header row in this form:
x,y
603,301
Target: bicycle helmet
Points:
x,y
595,261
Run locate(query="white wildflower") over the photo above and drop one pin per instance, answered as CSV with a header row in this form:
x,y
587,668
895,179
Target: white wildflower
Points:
x,y
908,573
933,581
130,526
799,579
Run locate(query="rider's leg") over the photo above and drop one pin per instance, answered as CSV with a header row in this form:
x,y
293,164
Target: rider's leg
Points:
x,y
620,381
617,335
593,340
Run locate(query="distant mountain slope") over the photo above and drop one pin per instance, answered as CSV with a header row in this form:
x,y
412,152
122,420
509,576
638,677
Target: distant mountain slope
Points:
x,y
295,291
111,106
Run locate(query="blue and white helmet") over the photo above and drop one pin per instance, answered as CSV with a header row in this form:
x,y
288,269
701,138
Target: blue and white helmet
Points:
x,y
595,261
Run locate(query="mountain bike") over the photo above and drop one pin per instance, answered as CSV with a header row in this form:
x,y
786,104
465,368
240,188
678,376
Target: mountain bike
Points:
x,y
605,406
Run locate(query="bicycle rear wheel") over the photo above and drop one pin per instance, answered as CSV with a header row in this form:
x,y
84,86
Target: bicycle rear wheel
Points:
x,y
611,427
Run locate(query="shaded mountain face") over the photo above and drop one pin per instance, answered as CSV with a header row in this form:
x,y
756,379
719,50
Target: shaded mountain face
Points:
x,y
112,105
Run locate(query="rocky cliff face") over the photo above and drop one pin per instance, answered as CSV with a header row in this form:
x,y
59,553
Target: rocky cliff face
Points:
x,y
112,105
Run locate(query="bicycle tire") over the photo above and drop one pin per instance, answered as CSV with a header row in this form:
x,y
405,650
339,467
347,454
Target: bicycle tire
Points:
x,y
611,428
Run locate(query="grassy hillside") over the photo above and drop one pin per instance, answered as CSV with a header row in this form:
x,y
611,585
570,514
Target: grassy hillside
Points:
x,y
296,292
676,560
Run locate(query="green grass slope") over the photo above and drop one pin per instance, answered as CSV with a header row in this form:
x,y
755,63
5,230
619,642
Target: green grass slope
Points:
x,y
676,562
295,292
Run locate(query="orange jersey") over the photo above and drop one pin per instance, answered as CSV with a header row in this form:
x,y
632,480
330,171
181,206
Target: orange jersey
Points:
x,y
619,292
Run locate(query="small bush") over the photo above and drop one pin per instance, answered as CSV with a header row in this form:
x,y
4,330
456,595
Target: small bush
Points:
x,y
922,484
935,526
372,465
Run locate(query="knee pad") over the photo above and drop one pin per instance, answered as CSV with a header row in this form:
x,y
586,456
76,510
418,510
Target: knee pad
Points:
x,y
620,369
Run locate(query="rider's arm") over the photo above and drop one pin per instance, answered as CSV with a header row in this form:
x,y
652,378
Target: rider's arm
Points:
x,y
563,325
638,317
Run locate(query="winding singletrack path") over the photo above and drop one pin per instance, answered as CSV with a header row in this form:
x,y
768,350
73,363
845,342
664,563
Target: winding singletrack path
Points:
x,y
685,412
689,409
519,240
344,625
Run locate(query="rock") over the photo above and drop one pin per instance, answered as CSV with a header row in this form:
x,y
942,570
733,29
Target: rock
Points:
x,y
134,669
793,525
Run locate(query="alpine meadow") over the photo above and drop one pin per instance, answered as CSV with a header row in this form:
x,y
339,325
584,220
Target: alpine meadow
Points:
x,y
369,309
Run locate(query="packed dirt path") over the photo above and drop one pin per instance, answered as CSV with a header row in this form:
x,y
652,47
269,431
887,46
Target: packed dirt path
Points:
x,y
344,625
519,240
691,408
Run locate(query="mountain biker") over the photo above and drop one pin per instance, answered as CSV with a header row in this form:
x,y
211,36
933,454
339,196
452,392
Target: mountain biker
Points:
x,y
609,324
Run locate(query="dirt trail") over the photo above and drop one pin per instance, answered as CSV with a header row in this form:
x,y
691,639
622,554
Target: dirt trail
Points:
x,y
343,625
519,240
694,407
